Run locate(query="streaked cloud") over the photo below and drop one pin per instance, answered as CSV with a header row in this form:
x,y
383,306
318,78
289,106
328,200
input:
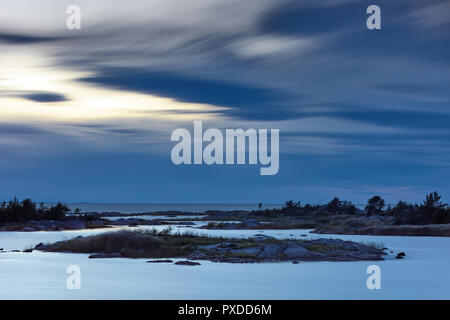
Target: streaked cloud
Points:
x,y
346,100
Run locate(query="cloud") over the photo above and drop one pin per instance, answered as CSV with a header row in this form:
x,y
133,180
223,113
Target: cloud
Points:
x,y
269,46
11,38
272,52
432,13
45,97
412,91
310,17
239,100
20,129
376,101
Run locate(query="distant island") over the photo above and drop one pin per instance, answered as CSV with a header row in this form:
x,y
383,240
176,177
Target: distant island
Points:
x,y
430,218
28,216
126,240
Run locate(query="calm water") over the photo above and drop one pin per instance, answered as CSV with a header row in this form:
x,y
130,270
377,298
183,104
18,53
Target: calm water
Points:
x,y
152,207
422,275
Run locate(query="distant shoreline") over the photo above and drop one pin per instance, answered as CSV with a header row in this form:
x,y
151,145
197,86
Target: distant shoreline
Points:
x,y
431,218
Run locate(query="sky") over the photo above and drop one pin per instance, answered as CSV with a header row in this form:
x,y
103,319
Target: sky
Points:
x,y
87,115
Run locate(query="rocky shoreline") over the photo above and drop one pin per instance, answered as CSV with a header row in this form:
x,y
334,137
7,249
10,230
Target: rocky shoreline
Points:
x,y
54,225
402,230
255,224
147,222
282,250
340,224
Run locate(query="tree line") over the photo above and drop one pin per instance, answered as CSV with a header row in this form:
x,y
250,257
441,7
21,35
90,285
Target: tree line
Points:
x,y
431,211
25,210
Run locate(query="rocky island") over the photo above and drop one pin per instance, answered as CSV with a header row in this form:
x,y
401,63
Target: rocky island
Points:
x,y
259,248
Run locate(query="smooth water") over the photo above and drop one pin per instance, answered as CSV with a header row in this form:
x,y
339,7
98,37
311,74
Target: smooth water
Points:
x,y
153,217
37,275
161,207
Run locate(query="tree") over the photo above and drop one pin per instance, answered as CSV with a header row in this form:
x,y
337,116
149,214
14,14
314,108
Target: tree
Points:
x,y
15,211
403,213
28,209
441,216
432,200
291,206
348,207
431,211
334,206
374,205
57,212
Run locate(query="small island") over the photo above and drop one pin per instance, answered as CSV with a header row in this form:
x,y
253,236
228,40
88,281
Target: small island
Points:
x,y
259,248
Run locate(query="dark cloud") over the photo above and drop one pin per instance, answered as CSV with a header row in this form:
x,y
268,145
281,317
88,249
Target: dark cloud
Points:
x,y
344,26
183,88
13,38
306,18
246,102
19,129
45,97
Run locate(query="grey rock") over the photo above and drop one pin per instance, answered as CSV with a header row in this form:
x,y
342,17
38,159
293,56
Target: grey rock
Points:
x,y
105,255
250,250
187,263
271,251
400,255
296,251
233,260
39,246
197,256
262,237
210,247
